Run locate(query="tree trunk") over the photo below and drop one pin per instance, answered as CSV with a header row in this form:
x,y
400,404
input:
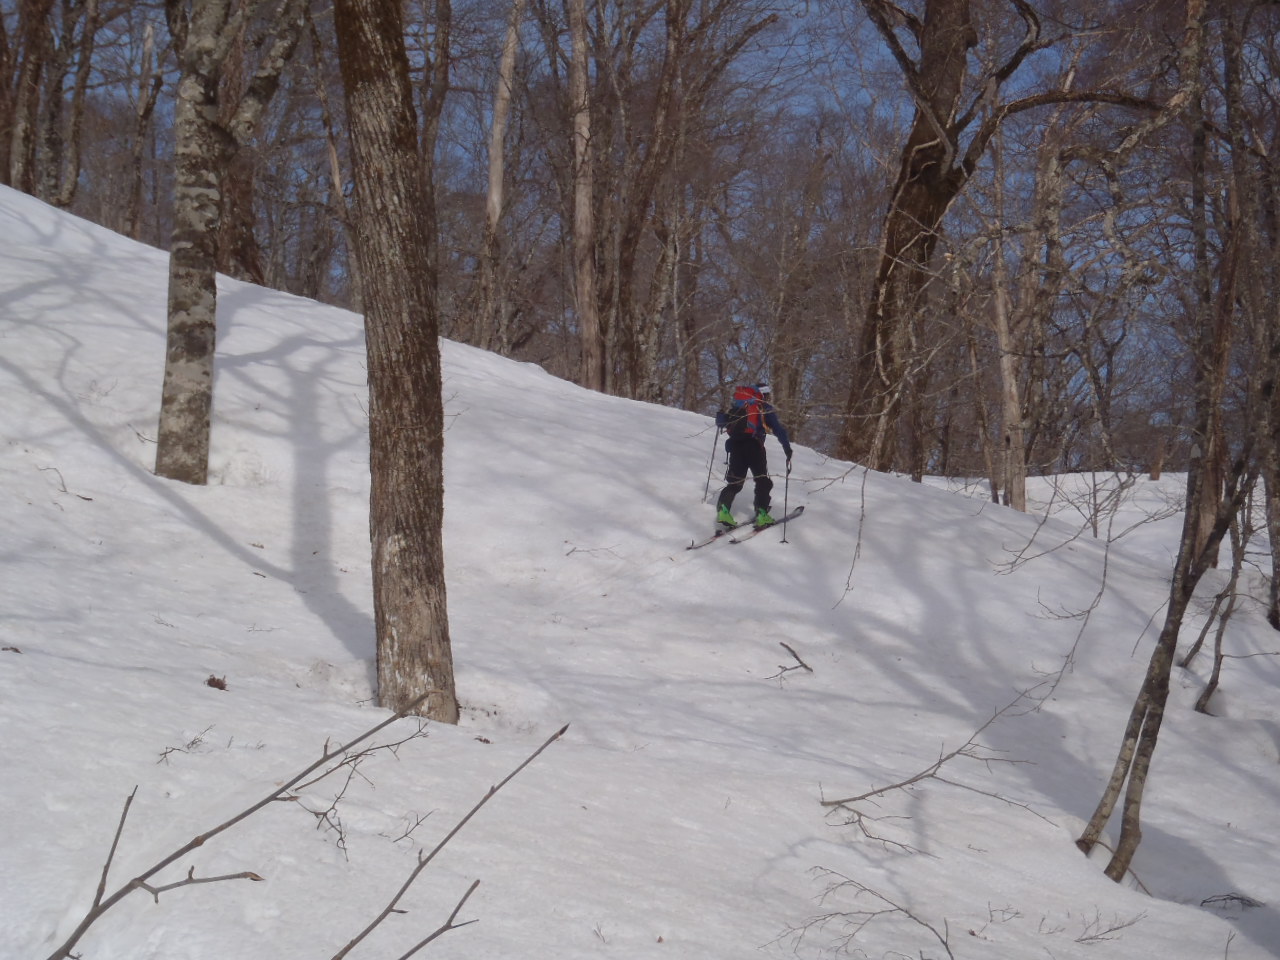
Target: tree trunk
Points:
x,y
237,245
71,156
1143,728
928,181
435,87
406,417
34,41
1198,545
1013,451
337,198
149,84
492,327
1271,486
203,148
584,230
200,149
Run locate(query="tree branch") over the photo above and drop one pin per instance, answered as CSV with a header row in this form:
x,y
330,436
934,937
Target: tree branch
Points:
x,y
447,925
101,906
424,861
191,879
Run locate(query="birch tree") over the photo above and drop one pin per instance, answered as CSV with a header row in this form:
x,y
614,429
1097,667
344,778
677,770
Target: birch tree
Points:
x,y
203,33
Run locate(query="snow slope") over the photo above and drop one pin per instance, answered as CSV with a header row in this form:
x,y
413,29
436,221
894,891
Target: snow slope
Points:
x,y
681,815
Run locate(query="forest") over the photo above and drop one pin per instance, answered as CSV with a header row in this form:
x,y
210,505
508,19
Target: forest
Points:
x,y
976,238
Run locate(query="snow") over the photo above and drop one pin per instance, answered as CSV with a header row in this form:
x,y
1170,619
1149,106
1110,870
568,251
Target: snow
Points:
x,y
681,814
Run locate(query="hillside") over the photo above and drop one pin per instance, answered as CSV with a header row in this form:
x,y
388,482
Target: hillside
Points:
x,y
680,816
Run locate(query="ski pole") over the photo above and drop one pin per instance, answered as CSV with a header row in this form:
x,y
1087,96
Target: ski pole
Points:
x,y
712,465
786,496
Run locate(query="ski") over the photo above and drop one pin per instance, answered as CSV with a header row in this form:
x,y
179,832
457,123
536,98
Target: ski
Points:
x,y
719,535
744,531
743,537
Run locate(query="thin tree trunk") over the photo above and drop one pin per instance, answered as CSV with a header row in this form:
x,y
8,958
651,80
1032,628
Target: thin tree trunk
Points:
x,y
435,87
584,229
1013,452
8,57
149,84
50,124
1197,546
493,331
71,157
35,39
406,417
337,201
1228,597
988,459
1271,486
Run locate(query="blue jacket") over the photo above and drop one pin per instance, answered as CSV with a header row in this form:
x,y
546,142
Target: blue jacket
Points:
x,y
769,413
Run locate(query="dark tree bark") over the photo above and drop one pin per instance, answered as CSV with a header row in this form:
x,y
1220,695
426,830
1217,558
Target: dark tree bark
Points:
x,y
590,329
406,418
928,181
33,45
61,122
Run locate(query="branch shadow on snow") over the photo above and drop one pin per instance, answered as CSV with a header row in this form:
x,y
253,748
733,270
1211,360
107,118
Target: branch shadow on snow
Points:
x,y
294,415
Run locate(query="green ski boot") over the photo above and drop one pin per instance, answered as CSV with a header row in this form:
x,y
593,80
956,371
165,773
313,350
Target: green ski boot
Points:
x,y
763,519
724,519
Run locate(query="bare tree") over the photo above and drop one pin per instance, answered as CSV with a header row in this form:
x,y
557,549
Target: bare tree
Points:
x,y
584,232
1215,491
62,123
406,417
493,329
28,53
204,33
952,101
150,81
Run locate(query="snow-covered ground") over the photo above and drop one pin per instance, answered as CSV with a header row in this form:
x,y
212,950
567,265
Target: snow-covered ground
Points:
x,y
681,815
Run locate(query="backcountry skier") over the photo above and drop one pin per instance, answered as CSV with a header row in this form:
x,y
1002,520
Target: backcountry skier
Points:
x,y
749,419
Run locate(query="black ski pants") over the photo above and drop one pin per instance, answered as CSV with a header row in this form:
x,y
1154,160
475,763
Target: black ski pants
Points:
x,y
746,454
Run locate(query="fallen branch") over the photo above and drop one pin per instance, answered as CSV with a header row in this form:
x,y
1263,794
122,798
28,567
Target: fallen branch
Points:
x,y
101,905
447,925
970,748
858,919
191,879
783,670
424,861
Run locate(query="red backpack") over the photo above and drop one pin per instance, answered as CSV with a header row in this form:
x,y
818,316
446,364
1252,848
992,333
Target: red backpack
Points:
x,y
745,417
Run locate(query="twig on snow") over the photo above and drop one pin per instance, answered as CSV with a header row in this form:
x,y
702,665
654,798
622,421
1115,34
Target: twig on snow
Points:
x,y
101,905
783,669
447,925
191,879
425,860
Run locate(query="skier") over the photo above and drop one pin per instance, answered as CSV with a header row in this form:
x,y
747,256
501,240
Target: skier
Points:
x,y
750,418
